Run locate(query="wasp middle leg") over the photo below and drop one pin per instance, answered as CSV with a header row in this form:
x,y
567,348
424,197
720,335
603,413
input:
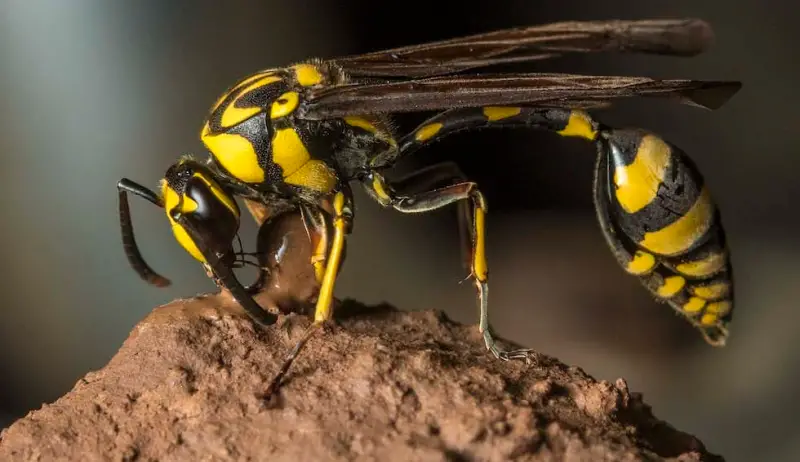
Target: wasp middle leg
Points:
x,y
464,191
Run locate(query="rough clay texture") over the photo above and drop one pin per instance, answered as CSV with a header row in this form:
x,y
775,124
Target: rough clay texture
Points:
x,y
379,385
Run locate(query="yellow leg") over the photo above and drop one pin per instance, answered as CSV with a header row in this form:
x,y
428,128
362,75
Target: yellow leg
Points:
x,y
324,308
435,199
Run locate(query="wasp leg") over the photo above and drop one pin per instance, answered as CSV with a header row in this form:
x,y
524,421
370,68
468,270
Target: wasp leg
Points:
x,y
223,274
317,227
342,218
132,252
434,176
438,198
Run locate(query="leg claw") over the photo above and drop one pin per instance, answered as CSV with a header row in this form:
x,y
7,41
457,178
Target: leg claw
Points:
x,y
524,354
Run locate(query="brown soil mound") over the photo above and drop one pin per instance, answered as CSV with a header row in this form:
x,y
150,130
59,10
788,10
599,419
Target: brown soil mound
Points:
x,y
380,385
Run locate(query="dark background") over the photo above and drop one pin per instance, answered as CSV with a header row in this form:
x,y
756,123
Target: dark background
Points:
x,y
93,91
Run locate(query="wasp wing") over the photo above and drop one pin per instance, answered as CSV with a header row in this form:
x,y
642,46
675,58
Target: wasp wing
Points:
x,y
545,90
677,37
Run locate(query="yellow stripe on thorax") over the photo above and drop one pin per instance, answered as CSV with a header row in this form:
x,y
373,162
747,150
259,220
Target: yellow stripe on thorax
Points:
x,y
307,75
239,85
284,105
236,155
314,174
233,115
288,151
361,122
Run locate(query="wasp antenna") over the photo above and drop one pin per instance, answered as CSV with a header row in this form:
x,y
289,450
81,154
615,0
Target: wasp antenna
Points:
x,y
126,225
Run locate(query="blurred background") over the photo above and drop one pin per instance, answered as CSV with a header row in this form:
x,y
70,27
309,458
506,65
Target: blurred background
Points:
x,y
93,91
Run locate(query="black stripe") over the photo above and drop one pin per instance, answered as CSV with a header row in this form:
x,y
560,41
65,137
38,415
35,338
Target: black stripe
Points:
x,y
676,194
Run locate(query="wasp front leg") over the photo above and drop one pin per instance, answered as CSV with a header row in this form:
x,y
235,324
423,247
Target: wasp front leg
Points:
x,y
341,223
426,201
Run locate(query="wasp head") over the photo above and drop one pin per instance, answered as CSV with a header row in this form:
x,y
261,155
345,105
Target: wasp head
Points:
x,y
190,190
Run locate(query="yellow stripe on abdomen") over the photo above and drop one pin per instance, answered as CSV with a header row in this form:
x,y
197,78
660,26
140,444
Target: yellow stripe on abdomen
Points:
x,y
679,236
638,183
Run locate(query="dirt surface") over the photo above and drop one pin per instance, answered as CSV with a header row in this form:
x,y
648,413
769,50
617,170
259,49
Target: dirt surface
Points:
x,y
379,384
382,385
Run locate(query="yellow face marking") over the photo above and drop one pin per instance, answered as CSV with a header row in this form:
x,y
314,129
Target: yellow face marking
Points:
x,y
361,122
171,200
493,113
288,151
428,131
694,305
641,263
707,266
709,319
236,155
683,233
479,265
307,75
579,125
719,308
233,115
637,184
315,175
713,291
221,196
671,286
284,105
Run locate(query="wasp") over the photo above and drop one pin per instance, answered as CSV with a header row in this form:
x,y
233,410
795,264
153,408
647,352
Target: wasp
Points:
x,y
297,138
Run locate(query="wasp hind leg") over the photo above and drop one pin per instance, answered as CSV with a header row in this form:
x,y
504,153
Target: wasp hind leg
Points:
x,y
462,191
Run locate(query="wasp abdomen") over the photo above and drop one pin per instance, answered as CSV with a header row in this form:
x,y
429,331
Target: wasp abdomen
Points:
x,y
660,220
658,196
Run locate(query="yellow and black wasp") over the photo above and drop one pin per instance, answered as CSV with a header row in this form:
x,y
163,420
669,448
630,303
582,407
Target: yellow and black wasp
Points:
x,y
296,138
